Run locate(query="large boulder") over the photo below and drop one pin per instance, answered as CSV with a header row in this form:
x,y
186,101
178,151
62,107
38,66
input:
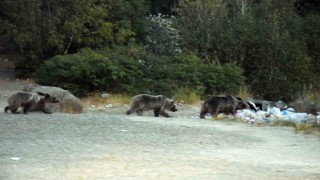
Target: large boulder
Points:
x,y
68,102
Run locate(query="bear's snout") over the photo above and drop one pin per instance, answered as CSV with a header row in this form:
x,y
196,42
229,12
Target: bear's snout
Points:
x,y
173,109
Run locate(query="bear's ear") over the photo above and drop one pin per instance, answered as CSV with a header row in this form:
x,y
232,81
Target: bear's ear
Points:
x,y
47,96
41,93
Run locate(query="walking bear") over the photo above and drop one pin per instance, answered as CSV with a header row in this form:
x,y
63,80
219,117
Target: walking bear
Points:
x,y
145,102
226,104
303,106
28,101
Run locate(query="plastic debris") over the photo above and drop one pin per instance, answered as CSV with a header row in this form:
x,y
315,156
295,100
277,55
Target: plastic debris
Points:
x,y
274,113
109,106
207,116
104,95
15,158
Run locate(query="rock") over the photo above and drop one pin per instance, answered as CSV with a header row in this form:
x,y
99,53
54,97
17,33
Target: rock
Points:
x,y
68,102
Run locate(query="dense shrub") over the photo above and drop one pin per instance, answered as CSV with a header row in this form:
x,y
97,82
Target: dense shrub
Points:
x,y
222,79
81,73
130,70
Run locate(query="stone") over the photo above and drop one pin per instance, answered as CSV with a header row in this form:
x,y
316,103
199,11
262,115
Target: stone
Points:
x,y
68,102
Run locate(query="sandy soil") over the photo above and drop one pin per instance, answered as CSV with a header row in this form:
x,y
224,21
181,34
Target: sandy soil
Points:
x,y
110,145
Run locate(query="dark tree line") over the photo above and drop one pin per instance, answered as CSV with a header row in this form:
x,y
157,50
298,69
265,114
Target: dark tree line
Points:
x,y
274,46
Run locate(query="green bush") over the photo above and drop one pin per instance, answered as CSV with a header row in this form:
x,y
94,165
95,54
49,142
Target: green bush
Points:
x,y
222,79
131,70
80,73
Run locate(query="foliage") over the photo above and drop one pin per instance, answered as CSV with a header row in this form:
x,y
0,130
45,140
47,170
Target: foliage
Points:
x,y
222,79
162,38
265,38
130,69
196,24
271,46
43,29
187,96
163,6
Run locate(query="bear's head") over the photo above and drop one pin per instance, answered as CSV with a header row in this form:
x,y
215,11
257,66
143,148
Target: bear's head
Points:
x,y
170,105
47,98
242,105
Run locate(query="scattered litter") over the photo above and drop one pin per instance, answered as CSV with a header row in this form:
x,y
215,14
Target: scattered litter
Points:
x,y
124,130
109,106
6,60
274,111
272,114
104,95
207,116
93,106
15,158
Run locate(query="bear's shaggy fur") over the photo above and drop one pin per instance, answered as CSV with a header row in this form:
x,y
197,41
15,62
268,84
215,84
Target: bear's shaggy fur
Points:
x,y
145,102
226,104
28,101
303,106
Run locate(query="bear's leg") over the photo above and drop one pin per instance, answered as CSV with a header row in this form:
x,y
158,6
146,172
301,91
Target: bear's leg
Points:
x,y
203,112
233,111
26,107
165,114
14,111
214,110
128,112
6,109
139,112
157,112
131,110
43,109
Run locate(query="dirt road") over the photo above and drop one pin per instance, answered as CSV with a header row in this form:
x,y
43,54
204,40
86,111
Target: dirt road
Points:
x,y
111,145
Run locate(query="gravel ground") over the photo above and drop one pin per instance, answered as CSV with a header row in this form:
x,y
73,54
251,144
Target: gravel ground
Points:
x,y
110,145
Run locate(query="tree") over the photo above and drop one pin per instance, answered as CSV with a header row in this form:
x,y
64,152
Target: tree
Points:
x,y
40,29
162,37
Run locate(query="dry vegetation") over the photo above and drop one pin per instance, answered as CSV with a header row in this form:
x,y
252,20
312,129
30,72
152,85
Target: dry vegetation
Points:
x,y
185,96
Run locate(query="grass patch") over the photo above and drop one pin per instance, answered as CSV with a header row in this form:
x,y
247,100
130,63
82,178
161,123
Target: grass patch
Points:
x,y
299,127
307,128
187,96
244,92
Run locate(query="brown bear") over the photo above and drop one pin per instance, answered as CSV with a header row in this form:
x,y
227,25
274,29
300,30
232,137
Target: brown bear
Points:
x,y
303,106
28,101
223,103
145,102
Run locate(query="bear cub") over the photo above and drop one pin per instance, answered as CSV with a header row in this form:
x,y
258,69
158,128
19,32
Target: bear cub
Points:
x,y
145,102
28,101
223,103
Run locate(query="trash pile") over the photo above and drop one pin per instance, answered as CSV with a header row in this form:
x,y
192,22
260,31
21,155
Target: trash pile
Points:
x,y
266,111
275,113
